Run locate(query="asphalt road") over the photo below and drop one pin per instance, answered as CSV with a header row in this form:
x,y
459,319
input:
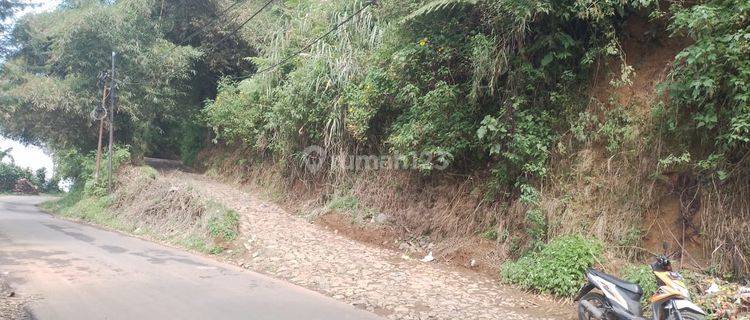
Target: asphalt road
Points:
x,y
82,272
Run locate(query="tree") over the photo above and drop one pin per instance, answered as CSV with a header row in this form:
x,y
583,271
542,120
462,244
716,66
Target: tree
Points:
x,y
49,86
8,8
167,60
40,177
6,154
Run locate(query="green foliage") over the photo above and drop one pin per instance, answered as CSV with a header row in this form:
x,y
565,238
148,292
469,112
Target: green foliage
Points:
x,y
644,277
617,129
349,204
40,177
490,234
369,105
81,169
223,223
299,104
10,173
191,141
344,203
8,9
94,209
49,83
403,87
433,125
524,147
709,87
557,267
632,237
436,6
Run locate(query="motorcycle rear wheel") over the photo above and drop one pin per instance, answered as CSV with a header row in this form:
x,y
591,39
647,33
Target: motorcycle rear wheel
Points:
x,y
598,300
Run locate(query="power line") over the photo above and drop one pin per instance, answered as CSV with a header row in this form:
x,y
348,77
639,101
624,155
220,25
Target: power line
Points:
x,y
202,29
211,23
305,48
216,44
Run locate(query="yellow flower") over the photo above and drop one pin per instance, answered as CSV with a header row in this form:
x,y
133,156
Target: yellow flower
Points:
x,y
423,42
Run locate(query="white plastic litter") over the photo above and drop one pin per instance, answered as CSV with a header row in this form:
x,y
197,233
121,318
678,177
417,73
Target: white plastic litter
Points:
x,y
428,257
713,288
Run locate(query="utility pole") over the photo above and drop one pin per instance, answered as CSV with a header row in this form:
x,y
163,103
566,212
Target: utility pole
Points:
x,y
101,131
112,87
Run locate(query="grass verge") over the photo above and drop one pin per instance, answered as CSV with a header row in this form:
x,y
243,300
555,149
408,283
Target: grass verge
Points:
x,y
145,205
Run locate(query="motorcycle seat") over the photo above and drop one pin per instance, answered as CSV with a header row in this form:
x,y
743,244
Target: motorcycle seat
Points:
x,y
629,286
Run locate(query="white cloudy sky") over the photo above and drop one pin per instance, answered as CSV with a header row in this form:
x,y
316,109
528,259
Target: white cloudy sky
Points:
x,y
31,156
40,6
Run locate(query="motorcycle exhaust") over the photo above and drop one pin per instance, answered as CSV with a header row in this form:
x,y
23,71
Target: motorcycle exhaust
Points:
x,y
595,312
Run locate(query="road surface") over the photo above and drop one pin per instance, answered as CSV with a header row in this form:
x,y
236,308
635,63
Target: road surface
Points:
x,y
82,272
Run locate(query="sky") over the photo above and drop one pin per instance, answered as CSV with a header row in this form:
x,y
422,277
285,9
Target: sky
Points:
x,y
30,156
41,6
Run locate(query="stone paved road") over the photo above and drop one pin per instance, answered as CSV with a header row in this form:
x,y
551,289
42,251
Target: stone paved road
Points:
x,y
80,272
369,277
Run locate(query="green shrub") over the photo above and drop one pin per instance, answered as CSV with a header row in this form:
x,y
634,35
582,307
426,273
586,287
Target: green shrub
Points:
x,y
9,174
346,203
490,234
557,267
470,84
73,165
223,223
709,87
190,141
643,276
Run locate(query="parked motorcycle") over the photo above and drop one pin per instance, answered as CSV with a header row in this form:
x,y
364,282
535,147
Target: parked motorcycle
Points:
x,y
607,297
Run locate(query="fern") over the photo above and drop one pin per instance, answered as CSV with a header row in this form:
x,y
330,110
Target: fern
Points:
x,y
437,6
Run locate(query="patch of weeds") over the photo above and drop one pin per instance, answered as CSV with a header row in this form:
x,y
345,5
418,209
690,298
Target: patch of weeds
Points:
x,y
514,244
617,130
631,237
557,267
196,243
78,205
149,172
490,234
582,125
350,204
66,201
223,223
537,224
644,277
347,203
216,250
536,220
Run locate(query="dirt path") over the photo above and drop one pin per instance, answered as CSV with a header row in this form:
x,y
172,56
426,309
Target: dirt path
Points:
x,y
369,277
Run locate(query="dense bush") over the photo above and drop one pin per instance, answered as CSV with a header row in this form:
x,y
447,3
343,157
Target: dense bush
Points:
x,y
643,276
10,173
474,81
81,169
709,87
557,267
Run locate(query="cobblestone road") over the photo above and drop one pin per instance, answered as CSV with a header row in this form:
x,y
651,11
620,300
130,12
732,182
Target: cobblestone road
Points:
x,y
372,278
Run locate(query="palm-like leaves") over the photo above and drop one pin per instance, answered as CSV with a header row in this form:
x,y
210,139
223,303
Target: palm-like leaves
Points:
x,y
439,6
6,154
